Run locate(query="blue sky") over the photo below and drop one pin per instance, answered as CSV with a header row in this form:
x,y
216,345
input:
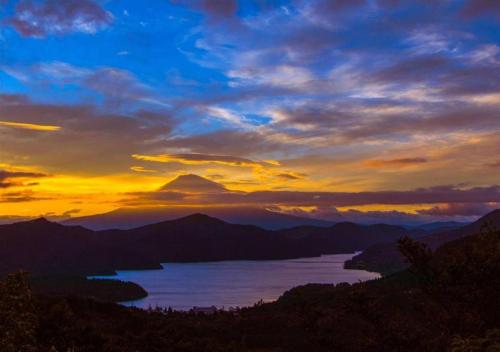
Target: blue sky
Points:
x,y
351,96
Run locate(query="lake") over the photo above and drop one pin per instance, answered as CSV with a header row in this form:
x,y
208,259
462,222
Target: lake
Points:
x,y
236,283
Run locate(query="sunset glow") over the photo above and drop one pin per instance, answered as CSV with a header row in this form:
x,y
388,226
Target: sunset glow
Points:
x,y
315,108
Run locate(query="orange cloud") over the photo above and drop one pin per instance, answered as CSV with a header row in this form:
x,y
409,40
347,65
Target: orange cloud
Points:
x,y
203,159
30,126
141,169
400,162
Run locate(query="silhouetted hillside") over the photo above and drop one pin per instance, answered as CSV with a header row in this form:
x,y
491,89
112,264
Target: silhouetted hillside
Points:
x,y
386,258
101,289
202,238
347,237
446,301
43,247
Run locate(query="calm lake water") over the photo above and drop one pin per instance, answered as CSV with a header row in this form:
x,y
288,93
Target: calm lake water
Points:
x,y
236,283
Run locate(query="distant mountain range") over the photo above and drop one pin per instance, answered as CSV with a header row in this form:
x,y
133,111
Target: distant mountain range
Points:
x,y
131,217
385,258
440,226
43,247
193,185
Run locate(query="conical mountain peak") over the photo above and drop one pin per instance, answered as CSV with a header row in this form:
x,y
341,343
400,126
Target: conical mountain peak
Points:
x,y
193,184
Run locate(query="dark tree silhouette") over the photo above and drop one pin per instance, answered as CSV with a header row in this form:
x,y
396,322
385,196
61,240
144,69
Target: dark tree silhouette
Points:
x,y
419,256
18,320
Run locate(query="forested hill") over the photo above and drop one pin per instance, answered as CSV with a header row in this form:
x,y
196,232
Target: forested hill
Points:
x,y
44,247
446,301
385,258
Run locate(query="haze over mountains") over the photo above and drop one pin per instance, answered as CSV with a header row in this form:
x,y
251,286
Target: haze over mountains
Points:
x,y
130,217
195,187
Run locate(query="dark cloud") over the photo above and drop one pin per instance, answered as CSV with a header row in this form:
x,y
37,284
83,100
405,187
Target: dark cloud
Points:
x,y
213,9
291,176
362,217
219,8
12,99
89,141
307,44
39,18
415,69
481,8
21,197
4,174
394,162
460,209
326,7
388,3
60,217
229,142
317,115
9,219
6,177
451,77
350,122
408,125
432,195
442,194
478,79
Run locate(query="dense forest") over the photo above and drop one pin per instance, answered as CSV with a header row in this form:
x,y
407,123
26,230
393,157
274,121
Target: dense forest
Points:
x,y
72,285
447,300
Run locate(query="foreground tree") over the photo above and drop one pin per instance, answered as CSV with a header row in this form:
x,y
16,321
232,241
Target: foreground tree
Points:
x,y
18,320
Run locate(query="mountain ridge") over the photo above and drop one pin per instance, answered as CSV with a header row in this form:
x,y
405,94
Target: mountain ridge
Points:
x,y
193,183
386,258
46,247
131,217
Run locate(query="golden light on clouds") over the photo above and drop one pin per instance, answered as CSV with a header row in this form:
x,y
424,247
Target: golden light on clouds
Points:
x,y
30,126
400,162
203,159
489,99
141,169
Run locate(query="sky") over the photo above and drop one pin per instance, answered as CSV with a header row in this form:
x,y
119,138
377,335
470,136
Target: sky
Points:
x,y
367,108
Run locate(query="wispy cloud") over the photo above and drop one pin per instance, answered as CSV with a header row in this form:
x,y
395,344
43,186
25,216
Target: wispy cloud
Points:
x,y
41,18
142,169
432,195
203,159
30,126
399,162
359,95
